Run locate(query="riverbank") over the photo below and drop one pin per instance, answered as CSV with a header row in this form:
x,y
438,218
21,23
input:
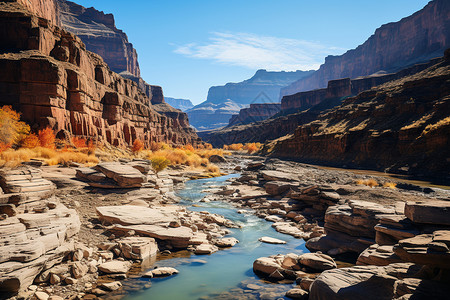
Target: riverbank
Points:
x,y
296,199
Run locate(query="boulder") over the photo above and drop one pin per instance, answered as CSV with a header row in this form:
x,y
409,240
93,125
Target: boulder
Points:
x,y
125,175
378,256
161,272
226,242
317,261
428,212
270,240
205,249
216,159
137,247
266,265
360,282
426,249
115,267
297,293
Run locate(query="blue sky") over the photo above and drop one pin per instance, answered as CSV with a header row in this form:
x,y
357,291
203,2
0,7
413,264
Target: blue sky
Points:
x,y
188,46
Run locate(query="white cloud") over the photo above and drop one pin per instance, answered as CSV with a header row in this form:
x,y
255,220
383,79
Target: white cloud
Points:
x,y
259,52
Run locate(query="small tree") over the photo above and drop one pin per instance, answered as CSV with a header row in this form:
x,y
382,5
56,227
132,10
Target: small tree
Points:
x,y
159,163
12,130
47,138
31,141
138,146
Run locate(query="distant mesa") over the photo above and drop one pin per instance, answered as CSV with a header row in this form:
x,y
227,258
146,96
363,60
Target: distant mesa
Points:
x,y
181,104
225,101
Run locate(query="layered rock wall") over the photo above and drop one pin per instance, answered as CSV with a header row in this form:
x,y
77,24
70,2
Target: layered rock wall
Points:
x,y
48,75
400,126
393,46
256,112
100,35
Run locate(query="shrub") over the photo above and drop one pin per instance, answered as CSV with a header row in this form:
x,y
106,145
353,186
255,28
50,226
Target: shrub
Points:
x,y
252,147
159,163
390,185
138,146
47,138
31,141
78,142
369,182
12,130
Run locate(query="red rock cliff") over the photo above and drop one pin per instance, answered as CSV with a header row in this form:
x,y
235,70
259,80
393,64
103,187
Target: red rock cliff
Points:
x,y
48,75
403,125
100,35
419,37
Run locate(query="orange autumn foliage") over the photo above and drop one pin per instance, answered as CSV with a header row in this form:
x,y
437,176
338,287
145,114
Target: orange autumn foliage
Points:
x,y
31,141
138,146
47,138
12,130
78,142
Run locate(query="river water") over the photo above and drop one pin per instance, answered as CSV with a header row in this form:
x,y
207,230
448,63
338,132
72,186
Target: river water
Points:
x,y
206,276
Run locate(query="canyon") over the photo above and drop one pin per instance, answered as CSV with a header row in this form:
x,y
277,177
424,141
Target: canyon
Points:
x,y
400,126
256,112
224,101
48,75
181,104
394,46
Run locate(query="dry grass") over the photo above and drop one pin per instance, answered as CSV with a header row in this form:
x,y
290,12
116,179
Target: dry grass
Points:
x,y
249,147
390,185
368,182
12,158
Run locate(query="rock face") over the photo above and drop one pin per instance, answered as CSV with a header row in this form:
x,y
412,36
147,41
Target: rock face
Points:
x,y
302,108
35,232
181,104
263,87
100,35
401,125
255,113
47,74
419,37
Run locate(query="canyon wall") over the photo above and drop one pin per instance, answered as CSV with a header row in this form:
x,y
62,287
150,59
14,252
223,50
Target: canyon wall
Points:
x,y
256,112
181,104
48,75
224,101
401,126
393,46
100,35
344,87
304,107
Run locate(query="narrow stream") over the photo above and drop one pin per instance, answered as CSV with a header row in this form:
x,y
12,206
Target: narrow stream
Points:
x,y
206,276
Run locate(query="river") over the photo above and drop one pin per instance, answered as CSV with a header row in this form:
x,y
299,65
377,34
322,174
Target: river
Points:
x,y
207,276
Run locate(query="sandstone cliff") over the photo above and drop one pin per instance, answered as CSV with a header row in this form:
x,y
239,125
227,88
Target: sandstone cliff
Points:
x,y
401,126
100,35
419,37
263,87
48,75
256,112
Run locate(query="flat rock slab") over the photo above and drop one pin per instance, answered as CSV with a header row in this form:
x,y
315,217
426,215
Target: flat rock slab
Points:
x,y
135,215
115,267
125,175
429,212
160,272
270,175
180,237
270,240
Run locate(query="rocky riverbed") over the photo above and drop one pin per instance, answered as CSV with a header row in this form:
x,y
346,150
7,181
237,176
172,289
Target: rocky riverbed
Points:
x,y
70,232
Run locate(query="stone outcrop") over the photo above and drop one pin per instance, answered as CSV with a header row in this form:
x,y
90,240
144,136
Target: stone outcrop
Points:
x,y
224,101
401,126
393,46
304,107
48,75
100,35
256,112
35,229
181,104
